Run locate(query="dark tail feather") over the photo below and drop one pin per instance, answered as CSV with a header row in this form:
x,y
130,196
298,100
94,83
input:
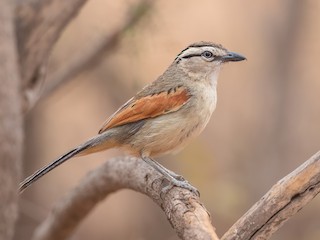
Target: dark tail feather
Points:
x,y
38,174
96,144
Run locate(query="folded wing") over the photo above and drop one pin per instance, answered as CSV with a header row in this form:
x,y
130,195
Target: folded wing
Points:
x,y
149,106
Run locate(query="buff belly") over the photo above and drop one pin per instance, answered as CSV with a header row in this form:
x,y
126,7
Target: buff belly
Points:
x,y
171,132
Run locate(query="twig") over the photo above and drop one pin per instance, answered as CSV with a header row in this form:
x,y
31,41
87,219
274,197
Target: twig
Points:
x,y
280,203
184,211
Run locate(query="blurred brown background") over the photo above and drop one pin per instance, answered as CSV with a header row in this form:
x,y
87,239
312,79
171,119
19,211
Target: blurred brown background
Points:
x,y
265,125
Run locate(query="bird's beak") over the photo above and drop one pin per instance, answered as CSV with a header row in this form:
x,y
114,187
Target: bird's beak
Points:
x,y
232,57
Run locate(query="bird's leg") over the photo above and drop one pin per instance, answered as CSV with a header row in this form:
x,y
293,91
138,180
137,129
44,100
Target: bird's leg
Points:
x,y
173,174
174,179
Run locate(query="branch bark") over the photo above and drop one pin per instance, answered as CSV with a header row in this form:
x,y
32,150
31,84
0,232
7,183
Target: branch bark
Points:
x,y
38,26
11,126
280,203
183,209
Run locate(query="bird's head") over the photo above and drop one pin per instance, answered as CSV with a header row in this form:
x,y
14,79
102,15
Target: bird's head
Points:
x,y
205,58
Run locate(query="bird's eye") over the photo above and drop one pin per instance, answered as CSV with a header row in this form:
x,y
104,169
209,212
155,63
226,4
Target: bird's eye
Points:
x,y
207,54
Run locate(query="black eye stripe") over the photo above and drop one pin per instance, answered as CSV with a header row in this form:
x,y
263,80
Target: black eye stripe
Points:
x,y
200,55
192,55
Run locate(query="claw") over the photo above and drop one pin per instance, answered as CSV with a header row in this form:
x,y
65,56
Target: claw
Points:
x,y
176,176
180,178
180,183
173,178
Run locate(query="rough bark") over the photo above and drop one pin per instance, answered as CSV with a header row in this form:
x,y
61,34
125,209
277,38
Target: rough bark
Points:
x,y
183,209
11,127
280,203
38,26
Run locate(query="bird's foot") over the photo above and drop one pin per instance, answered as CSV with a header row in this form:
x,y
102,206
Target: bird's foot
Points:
x,y
180,183
173,178
177,176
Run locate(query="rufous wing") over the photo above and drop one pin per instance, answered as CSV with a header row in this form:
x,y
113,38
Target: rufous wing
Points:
x,y
149,106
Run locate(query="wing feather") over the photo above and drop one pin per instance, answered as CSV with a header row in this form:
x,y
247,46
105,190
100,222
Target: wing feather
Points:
x,y
149,106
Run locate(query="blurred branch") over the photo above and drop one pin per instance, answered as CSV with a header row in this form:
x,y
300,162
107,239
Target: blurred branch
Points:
x,y
11,123
280,203
94,55
184,211
38,26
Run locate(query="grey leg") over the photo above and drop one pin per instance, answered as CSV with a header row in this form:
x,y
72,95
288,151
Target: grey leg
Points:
x,y
174,179
173,174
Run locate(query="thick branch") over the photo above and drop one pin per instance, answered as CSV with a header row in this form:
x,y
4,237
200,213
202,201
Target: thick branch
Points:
x,y
11,126
184,211
186,214
282,201
38,26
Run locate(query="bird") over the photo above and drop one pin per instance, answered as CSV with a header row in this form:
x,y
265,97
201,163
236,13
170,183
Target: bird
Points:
x,y
164,116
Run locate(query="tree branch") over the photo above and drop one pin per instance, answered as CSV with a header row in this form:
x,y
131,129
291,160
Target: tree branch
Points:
x,y
89,57
11,124
280,203
38,26
183,209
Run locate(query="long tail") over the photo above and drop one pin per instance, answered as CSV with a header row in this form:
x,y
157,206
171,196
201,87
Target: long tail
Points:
x,y
96,144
